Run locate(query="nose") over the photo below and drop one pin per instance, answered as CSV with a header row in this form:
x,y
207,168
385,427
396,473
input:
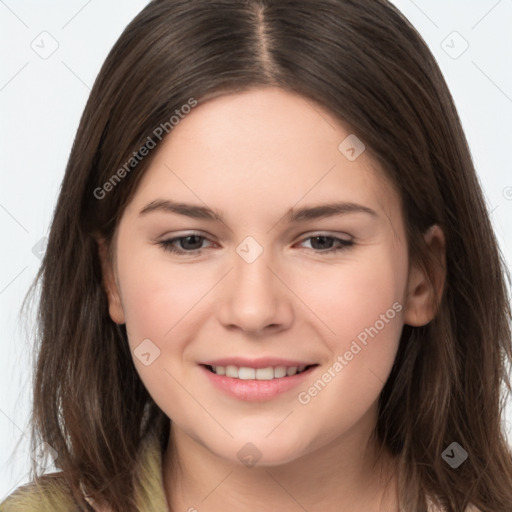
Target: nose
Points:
x,y
254,300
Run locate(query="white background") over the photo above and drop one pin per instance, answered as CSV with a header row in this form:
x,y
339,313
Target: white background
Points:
x,y
41,101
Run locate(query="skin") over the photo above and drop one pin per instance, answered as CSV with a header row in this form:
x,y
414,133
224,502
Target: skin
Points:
x,y
252,157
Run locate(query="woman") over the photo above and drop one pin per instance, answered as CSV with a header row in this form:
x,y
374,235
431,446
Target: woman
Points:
x,y
271,281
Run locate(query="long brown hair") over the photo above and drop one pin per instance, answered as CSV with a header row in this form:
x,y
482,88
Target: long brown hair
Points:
x,y
364,63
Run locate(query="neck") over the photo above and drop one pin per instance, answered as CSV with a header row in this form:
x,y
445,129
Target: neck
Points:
x,y
347,474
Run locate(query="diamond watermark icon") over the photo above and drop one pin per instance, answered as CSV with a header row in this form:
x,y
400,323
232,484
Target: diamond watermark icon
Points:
x,y
454,45
40,248
146,352
249,455
44,455
249,250
454,455
351,147
45,45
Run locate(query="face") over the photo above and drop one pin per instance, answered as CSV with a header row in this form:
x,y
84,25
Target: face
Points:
x,y
255,247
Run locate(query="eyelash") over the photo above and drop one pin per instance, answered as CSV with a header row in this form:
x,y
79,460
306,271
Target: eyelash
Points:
x,y
168,244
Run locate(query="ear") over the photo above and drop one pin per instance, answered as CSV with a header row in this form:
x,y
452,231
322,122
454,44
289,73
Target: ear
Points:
x,y
425,285
110,284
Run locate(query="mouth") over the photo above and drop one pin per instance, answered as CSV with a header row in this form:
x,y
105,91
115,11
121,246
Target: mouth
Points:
x,y
251,373
256,380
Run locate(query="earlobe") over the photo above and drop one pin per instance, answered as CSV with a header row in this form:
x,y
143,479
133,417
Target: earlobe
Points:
x,y
426,283
110,284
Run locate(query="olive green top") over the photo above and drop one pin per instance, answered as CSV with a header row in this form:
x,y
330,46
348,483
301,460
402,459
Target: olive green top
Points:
x,y
54,496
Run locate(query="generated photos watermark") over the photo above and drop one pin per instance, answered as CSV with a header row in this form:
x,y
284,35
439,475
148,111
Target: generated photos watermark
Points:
x,y
357,345
158,133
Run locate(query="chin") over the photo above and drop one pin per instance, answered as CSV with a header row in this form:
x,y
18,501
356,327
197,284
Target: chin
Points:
x,y
261,451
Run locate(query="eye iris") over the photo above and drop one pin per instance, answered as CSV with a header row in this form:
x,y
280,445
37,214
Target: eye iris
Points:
x,y
197,245
323,240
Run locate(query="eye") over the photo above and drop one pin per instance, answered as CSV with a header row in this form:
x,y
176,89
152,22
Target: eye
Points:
x,y
187,244
328,244
193,244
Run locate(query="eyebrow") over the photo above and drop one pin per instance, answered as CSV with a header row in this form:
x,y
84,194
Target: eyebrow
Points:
x,y
293,215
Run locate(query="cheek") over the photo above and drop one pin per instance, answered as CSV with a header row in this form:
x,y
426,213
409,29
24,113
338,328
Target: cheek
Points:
x,y
156,295
357,295
361,306
162,305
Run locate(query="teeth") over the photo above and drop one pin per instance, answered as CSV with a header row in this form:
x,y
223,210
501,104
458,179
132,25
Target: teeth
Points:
x,y
231,371
246,373
280,371
291,371
265,373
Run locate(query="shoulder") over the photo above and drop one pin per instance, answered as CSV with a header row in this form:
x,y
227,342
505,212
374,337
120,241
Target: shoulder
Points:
x,y
50,494
53,494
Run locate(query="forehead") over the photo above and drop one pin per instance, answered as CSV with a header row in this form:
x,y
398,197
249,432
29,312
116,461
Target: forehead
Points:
x,y
261,150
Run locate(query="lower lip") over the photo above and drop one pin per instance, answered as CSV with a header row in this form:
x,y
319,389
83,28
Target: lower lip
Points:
x,y
253,390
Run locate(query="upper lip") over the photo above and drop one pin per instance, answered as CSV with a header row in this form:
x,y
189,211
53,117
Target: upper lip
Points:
x,y
264,362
